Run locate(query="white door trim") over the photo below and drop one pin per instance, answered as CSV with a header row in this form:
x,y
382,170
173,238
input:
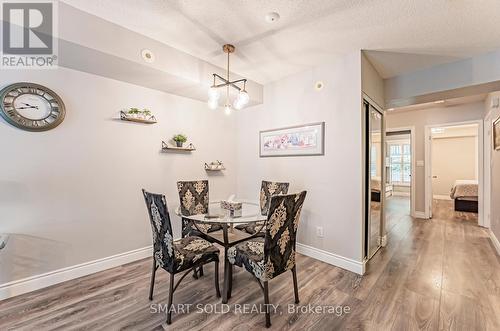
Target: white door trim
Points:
x,y
488,142
428,166
413,164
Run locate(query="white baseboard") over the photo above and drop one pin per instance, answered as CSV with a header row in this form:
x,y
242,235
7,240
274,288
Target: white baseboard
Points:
x,y
441,197
333,259
33,283
420,214
495,241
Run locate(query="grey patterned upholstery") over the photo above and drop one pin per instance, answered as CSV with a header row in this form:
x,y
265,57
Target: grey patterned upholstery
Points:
x,y
194,200
267,190
274,254
174,255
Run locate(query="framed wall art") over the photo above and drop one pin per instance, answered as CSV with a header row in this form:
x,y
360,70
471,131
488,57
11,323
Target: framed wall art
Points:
x,y
496,134
300,140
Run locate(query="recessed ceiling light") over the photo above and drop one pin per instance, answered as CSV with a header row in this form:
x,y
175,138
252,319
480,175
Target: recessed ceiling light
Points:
x,y
319,85
439,101
147,56
390,109
272,17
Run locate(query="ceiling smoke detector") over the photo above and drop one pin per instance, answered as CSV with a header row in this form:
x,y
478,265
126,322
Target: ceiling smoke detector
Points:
x,y
272,17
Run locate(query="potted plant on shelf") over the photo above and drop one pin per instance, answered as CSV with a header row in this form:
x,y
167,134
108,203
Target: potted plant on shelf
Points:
x,y
179,139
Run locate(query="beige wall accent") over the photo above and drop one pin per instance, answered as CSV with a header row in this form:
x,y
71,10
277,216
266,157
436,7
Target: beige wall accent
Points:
x,y
453,158
432,116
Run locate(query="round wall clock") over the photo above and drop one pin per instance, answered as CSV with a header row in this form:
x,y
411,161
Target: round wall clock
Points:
x,y
31,107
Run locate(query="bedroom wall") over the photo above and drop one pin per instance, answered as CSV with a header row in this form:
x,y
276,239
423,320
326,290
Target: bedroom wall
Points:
x,y
73,194
431,116
453,158
333,181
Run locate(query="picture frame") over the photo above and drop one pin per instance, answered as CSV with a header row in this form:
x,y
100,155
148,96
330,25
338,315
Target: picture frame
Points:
x,y
298,140
496,134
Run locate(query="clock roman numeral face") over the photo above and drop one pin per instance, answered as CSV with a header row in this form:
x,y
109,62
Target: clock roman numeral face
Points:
x,y
31,107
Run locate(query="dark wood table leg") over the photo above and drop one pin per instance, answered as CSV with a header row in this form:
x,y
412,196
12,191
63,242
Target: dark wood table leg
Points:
x,y
227,266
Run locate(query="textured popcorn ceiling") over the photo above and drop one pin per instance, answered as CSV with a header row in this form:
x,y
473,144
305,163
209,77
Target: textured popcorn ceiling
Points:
x,y
402,35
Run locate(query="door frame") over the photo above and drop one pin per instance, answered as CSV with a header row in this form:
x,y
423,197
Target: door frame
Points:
x,y
413,163
428,166
382,240
488,147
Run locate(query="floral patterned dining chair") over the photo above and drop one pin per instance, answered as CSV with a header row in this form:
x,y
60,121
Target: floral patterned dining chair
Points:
x,y
269,256
194,200
175,256
267,190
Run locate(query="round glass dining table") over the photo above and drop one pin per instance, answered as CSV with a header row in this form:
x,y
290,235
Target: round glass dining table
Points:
x,y
229,235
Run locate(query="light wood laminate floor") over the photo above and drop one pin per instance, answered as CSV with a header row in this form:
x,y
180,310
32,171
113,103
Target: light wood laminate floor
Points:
x,y
441,274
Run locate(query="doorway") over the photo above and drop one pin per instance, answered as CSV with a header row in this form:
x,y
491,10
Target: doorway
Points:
x,y
454,171
400,195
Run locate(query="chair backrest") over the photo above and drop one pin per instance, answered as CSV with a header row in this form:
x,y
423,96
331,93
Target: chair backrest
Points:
x,y
267,190
163,240
281,232
193,196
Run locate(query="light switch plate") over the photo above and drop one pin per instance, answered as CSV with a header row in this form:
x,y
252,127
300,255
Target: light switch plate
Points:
x,y
420,163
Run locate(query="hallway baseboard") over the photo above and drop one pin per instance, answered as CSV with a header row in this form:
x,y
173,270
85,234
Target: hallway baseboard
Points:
x,y
420,214
495,241
333,259
37,282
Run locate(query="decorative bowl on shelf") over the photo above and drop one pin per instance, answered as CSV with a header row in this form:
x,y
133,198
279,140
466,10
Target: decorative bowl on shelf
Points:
x,y
139,117
215,166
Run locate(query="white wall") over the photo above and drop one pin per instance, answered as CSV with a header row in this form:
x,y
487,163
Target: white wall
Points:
x,y
76,189
333,181
431,116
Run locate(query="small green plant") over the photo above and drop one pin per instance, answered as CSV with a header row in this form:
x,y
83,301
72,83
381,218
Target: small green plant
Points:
x,y
179,138
133,111
136,111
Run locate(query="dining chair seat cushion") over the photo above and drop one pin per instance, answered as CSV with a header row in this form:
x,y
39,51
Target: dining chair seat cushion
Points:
x,y
250,254
241,227
189,229
191,250
254,227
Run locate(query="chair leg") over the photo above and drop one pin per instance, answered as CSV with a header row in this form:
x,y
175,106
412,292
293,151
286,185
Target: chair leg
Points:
x,y
170,297
201,270
195,273
152,285
230,287
216,276
295,286
266,302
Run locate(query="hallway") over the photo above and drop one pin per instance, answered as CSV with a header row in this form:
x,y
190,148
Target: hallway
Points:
x,y
434,274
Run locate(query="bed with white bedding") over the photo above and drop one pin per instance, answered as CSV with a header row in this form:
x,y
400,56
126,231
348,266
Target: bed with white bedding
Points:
x,y
465,194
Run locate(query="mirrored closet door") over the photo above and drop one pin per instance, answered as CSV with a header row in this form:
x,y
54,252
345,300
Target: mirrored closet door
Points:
x,y
375,175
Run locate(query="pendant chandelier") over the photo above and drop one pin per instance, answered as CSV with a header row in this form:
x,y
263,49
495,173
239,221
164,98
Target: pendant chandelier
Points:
x,y
220,82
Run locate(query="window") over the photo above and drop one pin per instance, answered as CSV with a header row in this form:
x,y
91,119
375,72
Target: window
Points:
x,y
400,162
